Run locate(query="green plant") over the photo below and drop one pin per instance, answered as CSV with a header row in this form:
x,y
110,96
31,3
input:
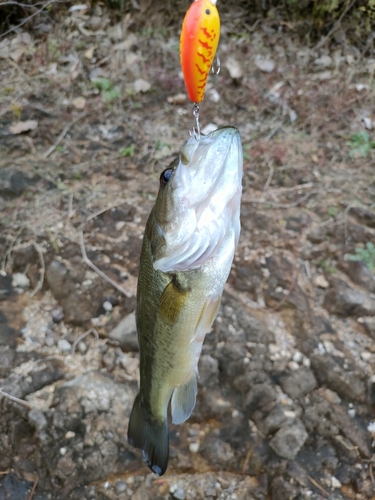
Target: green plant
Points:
x,y
128,151
360,143
366,255
327,267
107,90
332,211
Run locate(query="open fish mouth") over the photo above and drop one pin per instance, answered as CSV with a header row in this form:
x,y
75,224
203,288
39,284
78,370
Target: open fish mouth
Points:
x,y
204,201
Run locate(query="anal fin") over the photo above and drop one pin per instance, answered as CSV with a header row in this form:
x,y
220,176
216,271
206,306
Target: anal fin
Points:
x,y
183,400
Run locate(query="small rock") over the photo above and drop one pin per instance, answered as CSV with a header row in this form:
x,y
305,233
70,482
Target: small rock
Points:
x,y
82,347
213,95
64,346
293,365
179,493
335,483
359,273
125,333
366,356
120,487
57,314
266,65
299,383
12,182
20,280
343,300
289,440
325,61
234,68
194,447
107,306
320,281
63,451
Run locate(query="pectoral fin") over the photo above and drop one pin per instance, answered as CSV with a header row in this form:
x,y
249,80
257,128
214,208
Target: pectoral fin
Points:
x,y
206,318
183,400
172,302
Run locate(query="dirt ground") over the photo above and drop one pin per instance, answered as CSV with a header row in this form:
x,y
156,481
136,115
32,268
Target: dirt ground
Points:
x,y
90,113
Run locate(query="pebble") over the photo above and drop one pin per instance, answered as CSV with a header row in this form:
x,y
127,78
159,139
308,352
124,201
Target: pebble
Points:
x,y
20,280
120,487
289,440
335,483
351,413
64,346
320,281
298,357
82,347
178,493
63,451
107,306
365,355
70,435
293,365
194,447
57,314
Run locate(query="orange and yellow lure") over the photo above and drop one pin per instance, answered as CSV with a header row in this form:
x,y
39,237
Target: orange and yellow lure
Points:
x,y
198,43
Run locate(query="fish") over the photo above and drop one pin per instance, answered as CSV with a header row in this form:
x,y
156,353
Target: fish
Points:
x,y
198,43
188,247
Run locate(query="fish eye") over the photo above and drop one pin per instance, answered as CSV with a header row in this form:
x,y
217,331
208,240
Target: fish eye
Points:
x,y
165,176
208,11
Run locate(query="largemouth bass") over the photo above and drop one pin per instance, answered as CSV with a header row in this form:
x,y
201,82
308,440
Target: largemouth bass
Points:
x,y
187,252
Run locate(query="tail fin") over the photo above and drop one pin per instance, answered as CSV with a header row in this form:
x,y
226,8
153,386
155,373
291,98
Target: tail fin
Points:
x,y
151,436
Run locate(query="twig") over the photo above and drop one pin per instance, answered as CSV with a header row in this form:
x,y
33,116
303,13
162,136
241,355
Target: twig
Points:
x,y
288,294
297,187
371,474
247,458
4,472
285,205
102,210
317,485
335,26
52,240
81,337
97,270
17,400
33,489
62,135
349,447
39,285
270,175
28,18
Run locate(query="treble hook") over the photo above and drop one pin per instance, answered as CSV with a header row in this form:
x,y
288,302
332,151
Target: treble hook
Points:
x,y
216,70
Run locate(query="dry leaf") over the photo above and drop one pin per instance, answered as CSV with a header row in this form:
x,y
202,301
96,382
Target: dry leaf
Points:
x,y
89,54
79,102
141,85
20,127
177,99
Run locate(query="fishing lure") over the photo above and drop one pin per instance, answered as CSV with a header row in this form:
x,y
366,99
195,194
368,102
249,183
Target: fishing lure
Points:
x,y
198,43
